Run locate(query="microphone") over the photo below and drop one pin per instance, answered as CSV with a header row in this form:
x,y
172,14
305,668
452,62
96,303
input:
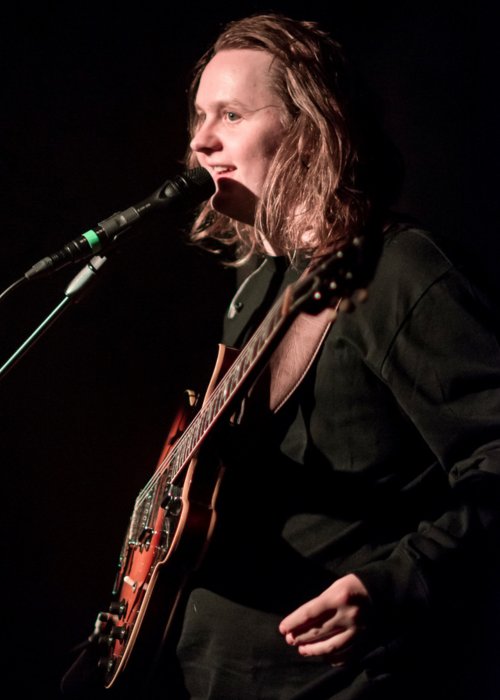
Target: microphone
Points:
x,y
182,192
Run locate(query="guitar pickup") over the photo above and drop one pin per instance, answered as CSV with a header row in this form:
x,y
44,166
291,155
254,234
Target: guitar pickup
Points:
x,y
144,539
172,501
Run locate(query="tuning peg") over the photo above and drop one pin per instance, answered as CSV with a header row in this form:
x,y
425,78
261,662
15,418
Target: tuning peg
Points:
x,y
360,296
346,305
332,314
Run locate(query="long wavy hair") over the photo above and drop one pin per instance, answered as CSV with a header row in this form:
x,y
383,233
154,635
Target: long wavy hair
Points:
x,y
329,175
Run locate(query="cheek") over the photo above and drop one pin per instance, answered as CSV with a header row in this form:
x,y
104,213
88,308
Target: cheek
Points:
x,y
271,143
261,167
262,155
197,159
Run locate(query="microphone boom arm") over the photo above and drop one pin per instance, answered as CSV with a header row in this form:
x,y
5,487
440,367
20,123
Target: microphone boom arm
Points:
x,y
74,291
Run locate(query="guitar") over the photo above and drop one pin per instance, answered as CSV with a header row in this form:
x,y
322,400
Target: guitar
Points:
x,y
174,514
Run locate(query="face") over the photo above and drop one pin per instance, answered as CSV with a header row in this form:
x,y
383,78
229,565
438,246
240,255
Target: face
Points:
x,y
239,128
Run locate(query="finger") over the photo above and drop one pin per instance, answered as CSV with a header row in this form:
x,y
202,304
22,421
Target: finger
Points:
x,y
296,619
314,612
314,633
339,643
330,623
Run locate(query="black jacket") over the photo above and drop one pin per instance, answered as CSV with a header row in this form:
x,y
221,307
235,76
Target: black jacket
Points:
x,y
386,463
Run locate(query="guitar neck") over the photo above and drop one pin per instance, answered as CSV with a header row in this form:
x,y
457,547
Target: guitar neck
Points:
x,y
242,372
334,277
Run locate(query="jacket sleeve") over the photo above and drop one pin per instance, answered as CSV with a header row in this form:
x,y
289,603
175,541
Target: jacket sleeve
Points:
x,y
440,357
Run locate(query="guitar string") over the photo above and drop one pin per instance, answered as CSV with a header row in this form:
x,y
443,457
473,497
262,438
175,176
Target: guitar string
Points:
x,y
222,393
258,340
225,389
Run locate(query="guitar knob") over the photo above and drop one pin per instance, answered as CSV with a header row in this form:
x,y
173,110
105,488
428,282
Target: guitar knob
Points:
x,y
118,608
106,664
118,632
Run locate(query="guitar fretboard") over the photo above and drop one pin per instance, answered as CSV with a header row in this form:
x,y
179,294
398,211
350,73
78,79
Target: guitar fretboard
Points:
x,y
223,395
332,278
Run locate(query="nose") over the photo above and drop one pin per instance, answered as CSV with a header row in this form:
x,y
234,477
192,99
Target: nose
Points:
x,y
206,139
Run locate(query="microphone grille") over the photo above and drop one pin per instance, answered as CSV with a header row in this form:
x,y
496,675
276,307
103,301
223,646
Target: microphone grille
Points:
x,y
186,190
200,180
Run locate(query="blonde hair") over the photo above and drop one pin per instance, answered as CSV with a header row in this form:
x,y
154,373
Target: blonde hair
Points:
x,y
318,192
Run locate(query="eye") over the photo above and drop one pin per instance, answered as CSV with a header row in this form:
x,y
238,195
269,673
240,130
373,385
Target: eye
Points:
x,y
232,116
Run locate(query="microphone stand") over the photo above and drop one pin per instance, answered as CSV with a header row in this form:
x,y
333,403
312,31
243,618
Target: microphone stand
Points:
x,y
74,291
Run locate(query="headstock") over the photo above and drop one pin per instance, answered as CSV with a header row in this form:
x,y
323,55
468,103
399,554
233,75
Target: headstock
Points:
x,y
338,281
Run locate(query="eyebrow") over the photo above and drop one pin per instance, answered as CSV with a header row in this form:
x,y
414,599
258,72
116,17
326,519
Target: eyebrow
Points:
x,y
236,103
224,103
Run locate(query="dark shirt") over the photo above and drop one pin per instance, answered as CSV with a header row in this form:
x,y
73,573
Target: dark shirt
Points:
x,y
386,463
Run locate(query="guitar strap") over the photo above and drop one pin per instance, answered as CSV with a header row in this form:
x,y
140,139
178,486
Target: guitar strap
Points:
x,y
295,354
290,361
297,351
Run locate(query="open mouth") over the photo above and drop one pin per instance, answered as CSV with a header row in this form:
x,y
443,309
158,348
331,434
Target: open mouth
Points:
x,y
222,169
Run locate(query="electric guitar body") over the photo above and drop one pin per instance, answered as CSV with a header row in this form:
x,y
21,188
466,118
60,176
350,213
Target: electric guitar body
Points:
x,y
170,528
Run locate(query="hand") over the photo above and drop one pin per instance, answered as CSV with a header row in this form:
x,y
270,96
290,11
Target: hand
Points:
x,y
331,624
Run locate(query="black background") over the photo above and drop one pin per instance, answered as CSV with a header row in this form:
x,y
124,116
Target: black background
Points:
x,y
93,114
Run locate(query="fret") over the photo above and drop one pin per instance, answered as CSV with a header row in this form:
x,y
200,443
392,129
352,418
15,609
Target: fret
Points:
x,y
334,276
